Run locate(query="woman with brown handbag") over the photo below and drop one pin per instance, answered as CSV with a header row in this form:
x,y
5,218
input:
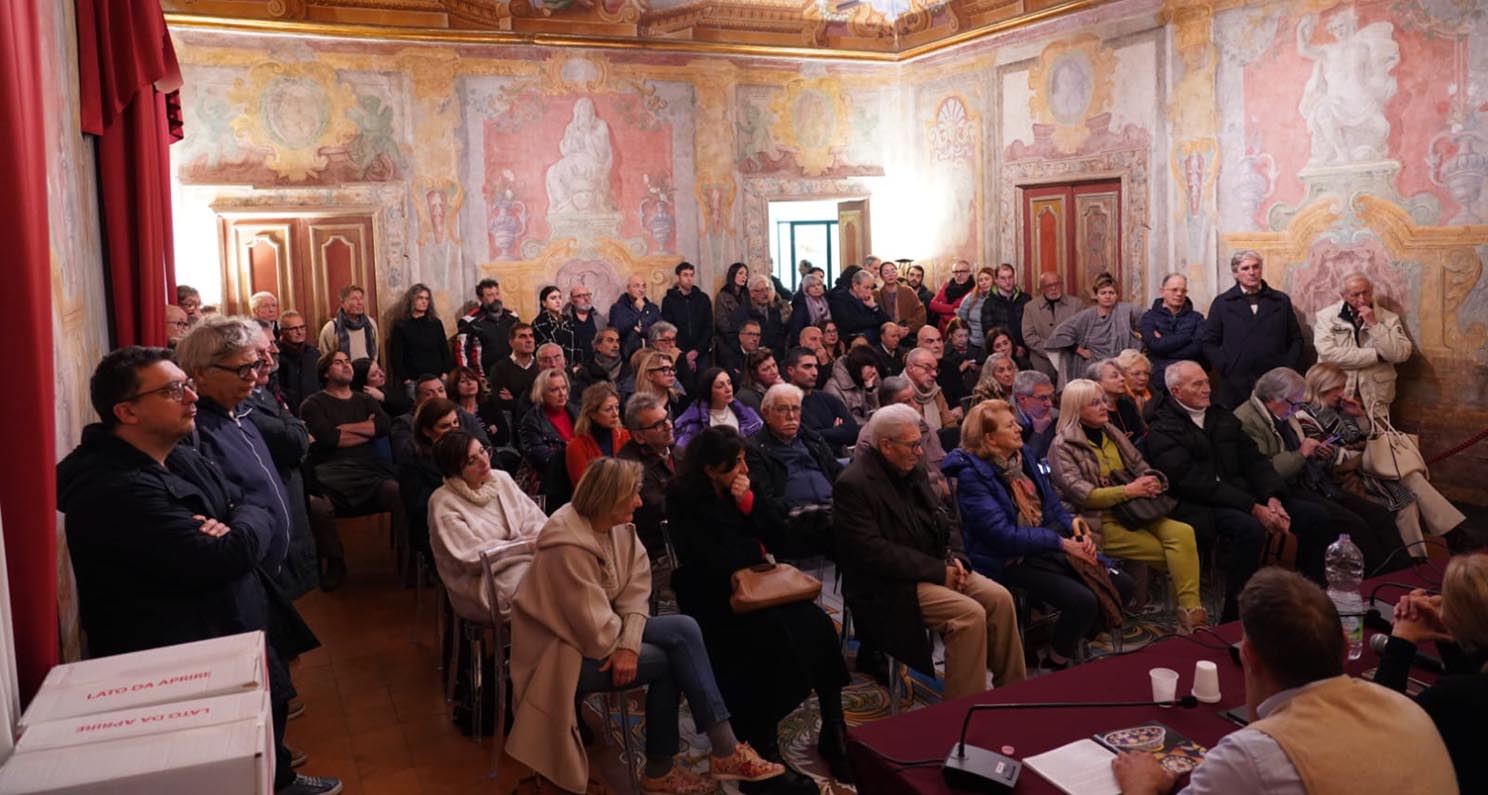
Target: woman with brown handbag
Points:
x,y
767,661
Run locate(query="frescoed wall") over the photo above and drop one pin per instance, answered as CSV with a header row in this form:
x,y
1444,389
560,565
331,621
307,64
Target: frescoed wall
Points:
x,y
1331,136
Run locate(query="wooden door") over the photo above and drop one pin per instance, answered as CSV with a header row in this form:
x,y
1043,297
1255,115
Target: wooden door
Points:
x,y
1073,230
303,260
852,233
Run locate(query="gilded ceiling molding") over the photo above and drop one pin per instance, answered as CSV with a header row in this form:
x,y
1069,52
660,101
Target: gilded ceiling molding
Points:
x,y
1055,81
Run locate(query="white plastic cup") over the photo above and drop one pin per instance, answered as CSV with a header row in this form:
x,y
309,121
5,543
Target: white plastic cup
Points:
x,y
1206,682
1164,684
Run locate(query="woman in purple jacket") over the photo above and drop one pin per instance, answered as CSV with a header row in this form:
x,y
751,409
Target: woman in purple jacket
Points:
x,y
1017,532
715,405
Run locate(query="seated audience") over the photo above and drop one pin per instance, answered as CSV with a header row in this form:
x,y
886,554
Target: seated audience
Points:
x,y
1018,533
1033,405
1364,339
1457,620
970,308
417,343
419,474
346,426
298,373
943,305
585,321
762,306
734,351
1044,314
597,431
189,299
604,364
352,331
656,375
898,389
1087,454
920,368
903,569
176,325
1269,419
793,467
890,358
949,371
546,429
902,306
1172,330
136,501
513,374
715,405
368,378
1416,504
996,379
759,374
811,339
821,411
809,307
1001,341
854,309
475,507
1137,370
1123,409
652,446
854,381
427,387
632,315
581,624
1316,729
767,661
832,340
551,326
1224,486
662,338
1098,332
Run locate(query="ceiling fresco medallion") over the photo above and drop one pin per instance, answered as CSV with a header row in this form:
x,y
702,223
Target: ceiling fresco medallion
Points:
x,y
811,121
1070,82
293,111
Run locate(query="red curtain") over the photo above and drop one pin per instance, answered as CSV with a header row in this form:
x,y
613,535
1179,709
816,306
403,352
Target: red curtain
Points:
x,y
128,76
28,483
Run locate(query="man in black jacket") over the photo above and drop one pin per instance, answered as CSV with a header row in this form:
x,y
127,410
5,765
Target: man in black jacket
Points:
x,y
1004,307
904,570
1224,485
691,311
821,411
854,310
163,549
1251,328
793,469
297,358
484,334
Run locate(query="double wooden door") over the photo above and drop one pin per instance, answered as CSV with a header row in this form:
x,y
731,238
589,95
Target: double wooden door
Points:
x,y
303,260
1074,230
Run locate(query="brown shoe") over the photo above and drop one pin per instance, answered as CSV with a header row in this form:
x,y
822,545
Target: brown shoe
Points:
x,y
1191,619
743,765
678,781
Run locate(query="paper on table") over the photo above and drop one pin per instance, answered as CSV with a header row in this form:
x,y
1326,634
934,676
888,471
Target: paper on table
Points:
x,y
1081,768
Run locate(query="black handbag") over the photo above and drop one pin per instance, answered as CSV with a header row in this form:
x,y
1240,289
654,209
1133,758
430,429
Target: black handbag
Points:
x,y
1139,511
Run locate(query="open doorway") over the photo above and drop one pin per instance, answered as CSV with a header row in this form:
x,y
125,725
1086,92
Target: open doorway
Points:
x,y
830,234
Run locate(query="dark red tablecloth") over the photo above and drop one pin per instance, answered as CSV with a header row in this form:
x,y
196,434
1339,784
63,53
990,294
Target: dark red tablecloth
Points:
x,y
929,733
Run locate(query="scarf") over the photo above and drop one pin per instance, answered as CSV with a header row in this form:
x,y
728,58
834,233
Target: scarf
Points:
x,y
1021,487
345,325
954,291
816,310
610,367
929,409
488,491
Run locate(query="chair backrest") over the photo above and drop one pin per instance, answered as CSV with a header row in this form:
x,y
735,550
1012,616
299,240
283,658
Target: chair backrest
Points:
x,y
494,556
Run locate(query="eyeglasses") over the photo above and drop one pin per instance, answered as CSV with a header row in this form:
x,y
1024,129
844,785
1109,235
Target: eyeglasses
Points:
x,y
664,422
178,323
664,370
582,295
481,455
245,372
672,338
917,444
779,409
288,329
175,390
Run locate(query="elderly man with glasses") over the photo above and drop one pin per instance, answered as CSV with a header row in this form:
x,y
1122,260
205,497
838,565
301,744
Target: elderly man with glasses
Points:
x,y
164,547
654,447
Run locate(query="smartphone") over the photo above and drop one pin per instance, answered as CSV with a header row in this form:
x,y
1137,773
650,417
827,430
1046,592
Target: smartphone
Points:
x,y
1240,716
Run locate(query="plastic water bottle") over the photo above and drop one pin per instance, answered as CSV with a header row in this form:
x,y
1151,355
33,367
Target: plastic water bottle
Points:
x,y
1345,570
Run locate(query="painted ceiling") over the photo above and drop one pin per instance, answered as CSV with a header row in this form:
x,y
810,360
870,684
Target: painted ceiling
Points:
x,y
879,29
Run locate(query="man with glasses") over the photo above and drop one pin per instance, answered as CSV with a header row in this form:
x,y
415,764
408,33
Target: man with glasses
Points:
x,y
904,570
768,312
175,325
792,468
1044,314
1033,406
663,337
297,361
943,305
586,322
163,546
347,465
733,353
653,446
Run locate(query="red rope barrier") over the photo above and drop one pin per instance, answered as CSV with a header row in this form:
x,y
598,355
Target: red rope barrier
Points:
x,y
1478,437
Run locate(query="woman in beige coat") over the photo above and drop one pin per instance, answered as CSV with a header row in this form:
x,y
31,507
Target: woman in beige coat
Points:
x,y
580,625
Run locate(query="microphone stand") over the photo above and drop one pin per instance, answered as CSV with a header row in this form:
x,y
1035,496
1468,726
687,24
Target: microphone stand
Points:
x,y
973,768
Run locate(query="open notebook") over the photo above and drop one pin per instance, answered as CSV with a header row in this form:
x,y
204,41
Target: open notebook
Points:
x,y
1083,767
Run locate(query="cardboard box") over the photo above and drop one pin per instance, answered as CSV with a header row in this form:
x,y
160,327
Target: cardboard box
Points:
x,y
145,721
222,666
233,758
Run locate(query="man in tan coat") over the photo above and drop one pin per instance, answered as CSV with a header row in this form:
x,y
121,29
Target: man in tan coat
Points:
x,y
1366,340
903,306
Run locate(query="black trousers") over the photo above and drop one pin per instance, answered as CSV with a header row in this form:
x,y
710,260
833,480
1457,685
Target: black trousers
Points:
x,y
1049,578
1370,526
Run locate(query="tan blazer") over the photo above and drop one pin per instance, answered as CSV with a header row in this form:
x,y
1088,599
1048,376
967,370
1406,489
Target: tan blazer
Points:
x,y
911,311
1370,360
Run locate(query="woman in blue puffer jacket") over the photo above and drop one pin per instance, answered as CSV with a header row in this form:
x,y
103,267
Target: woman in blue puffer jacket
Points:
x,y
1017,532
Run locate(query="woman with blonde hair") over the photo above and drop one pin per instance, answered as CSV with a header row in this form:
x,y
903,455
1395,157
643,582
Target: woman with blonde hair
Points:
x,y
598,430
1088,460
996,380
581,624
656,374
1417,505
1457,621
1137,369
1018,533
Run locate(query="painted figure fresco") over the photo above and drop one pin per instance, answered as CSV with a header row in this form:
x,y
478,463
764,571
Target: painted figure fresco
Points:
x,y
580,181
1344,100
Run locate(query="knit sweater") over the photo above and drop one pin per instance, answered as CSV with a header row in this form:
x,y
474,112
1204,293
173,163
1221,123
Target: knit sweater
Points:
x,y
463,521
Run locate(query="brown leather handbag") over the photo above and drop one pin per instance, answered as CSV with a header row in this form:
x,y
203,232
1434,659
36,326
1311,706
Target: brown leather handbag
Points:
x,y
767,585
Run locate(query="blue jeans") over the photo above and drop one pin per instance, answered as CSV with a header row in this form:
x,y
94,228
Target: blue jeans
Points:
x,y
672,659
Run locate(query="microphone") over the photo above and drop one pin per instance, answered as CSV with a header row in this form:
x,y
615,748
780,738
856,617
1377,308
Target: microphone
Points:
x,y
972,768
1430,662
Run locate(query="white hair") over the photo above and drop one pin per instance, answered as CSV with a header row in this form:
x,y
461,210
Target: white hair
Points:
x,y
1174,374
888,420
780,392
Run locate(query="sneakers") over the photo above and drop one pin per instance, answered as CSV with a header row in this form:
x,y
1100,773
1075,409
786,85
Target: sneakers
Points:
x,y
743,765
297,756
677,781
296,709
311,785
1192,618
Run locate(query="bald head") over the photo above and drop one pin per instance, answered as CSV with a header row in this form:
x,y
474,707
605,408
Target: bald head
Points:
x,y
1188,383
